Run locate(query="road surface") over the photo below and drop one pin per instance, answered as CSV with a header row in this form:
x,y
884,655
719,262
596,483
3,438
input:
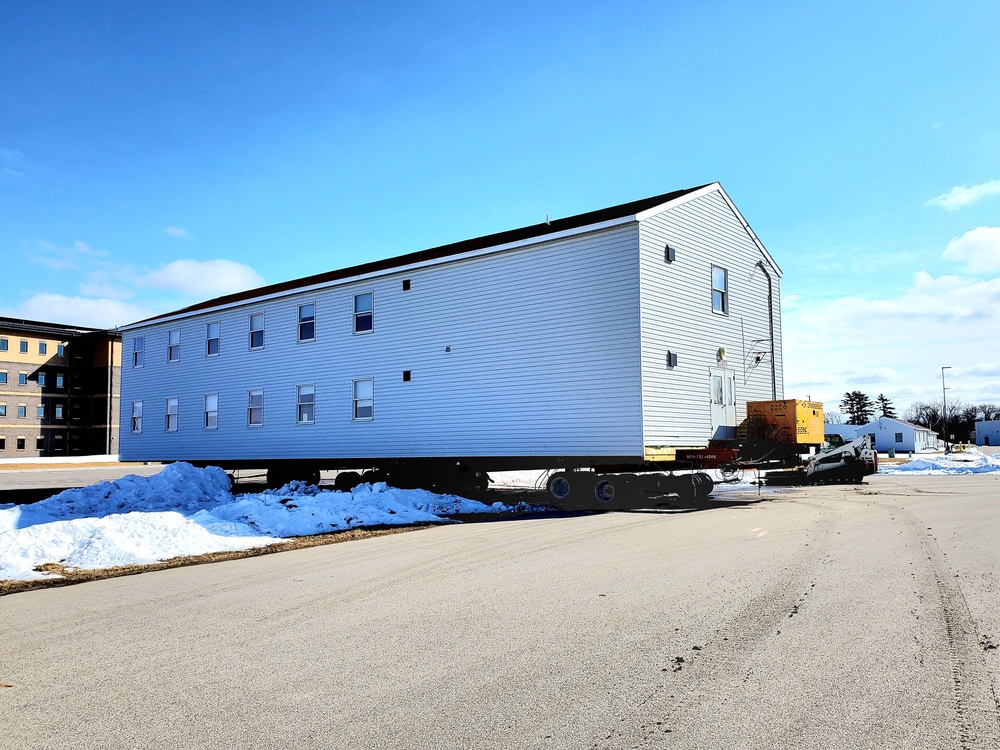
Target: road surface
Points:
x,y
835,617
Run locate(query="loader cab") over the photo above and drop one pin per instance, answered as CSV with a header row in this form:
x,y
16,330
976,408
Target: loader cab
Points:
x,y
832,441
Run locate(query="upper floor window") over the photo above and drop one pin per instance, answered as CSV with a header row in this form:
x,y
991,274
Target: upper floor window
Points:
x,y
43,348
720,290
60,380
24,347
137,416
40,411
60,350
3,345
22,378
364,312
59,411
307,322
171,415
305,396
257,330
3,410
212,339
255,407
211,411
138,351
364,398
41,378
174,346
22,411
3,377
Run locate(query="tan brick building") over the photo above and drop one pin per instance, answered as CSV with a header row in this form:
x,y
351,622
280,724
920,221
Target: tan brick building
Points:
x,y
59,389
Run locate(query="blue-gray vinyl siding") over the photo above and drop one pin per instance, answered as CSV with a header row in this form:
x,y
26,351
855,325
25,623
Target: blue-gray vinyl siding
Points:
x,y
677,316
532,351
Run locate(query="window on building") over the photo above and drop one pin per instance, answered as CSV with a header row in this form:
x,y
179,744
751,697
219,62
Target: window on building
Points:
x,y
40,443
24,347
364,312
40,411
76,412
3,410
138,351
19,444
137,416
255,407
60,380
257,331
3,345
3,377
22,378
899,437
174,346
61,350
211,411
720,290
307,322
41,378
306,400
364,398
171,413
22,411
59,411
212,339
43,348
3,443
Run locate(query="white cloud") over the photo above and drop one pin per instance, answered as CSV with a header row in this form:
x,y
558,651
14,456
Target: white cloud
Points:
x,y
978,249
965,195
58,258
206,278
179,232
79,311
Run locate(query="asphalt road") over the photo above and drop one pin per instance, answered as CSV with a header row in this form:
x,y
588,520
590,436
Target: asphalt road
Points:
x,y
823,618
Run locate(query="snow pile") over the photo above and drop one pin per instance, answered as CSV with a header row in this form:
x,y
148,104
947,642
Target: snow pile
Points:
x,y
188,511
969,461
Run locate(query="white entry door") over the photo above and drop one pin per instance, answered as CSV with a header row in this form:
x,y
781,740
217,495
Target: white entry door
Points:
x,y
723,387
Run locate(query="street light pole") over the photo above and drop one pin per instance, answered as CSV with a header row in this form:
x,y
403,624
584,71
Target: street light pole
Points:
x,y
944,408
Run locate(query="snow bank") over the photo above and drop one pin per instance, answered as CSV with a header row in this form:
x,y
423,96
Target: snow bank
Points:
x,y
188,511
969,461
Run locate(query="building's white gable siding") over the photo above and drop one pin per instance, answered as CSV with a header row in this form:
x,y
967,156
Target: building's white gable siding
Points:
x,y
543,361
886,430
677,316
988,432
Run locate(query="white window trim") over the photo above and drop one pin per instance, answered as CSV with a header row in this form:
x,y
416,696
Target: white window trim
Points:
x,y
299,403
250,407
207,411
137,352
251,329
298,322
355,399
167,414
354,311
725,292
136,414
170,357
209,338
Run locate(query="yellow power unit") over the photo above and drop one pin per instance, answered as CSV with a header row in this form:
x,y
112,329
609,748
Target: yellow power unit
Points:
x,y
789,421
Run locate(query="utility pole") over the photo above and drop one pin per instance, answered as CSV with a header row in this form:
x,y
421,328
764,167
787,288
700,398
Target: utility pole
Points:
x,y
944,409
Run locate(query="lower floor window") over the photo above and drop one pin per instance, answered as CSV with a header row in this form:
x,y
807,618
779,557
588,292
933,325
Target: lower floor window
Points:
x,y
306,399
171,414
255,407
364,398
40,443
20,444
211,411
137,416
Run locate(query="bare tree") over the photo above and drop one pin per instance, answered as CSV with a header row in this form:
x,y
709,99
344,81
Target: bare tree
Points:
x,y
989,411
833,417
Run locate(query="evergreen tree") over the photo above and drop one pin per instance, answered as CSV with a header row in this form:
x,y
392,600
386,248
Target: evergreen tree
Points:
x,y
885,406
858,407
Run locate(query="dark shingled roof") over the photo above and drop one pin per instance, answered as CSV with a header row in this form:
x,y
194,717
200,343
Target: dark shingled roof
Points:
x,y
443,251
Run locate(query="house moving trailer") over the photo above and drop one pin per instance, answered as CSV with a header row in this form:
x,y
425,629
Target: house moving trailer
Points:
x,y
613,346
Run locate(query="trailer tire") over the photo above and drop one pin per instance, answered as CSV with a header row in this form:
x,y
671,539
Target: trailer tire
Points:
x,y
604,490
559,486
346,481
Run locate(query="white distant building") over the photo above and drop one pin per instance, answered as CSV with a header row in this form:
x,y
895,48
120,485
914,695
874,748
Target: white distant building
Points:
x,y
899,435
848,432
988,432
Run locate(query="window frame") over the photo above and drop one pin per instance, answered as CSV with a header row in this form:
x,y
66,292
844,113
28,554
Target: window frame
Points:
x,y
300,403
3,377
40,411
173,349
60,350
3,409
251,408
211,416
3,344
209,338
139,352
22,411
43,348
59,412
19,442
137,418
301,322
60,380
40,378
251,330
723,293
168,424
22,378
23,347
356,401
370,313
40,443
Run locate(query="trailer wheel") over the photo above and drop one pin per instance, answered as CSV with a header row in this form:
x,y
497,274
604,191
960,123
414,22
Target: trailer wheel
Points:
x,y
559,486
346,481
604,490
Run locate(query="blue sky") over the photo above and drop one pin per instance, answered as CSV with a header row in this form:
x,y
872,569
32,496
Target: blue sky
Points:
x,y
155,154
